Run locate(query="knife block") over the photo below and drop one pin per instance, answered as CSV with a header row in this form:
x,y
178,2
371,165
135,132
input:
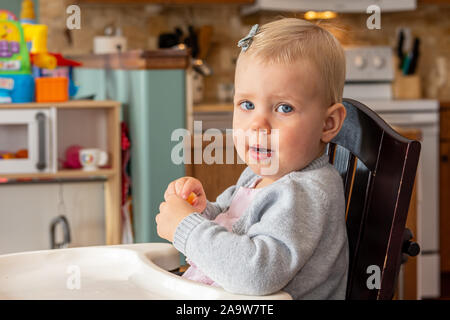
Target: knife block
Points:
x,y
407,87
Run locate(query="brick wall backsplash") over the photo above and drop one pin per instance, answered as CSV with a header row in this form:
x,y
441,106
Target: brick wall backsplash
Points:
x,y
142,23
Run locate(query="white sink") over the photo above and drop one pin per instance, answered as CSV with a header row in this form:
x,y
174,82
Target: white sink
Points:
x,y
136,271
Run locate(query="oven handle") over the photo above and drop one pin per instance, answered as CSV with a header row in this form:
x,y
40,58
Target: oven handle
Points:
x,y
41,164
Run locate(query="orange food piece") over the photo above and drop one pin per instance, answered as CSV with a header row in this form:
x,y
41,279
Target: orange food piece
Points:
x,y
192,196
9,156
22,154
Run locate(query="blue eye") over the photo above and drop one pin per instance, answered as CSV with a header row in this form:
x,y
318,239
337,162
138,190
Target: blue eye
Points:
x,y
247,105
284,108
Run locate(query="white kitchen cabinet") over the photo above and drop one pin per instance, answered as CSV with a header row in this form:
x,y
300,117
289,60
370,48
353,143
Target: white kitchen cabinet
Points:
x,y
29,187
27,211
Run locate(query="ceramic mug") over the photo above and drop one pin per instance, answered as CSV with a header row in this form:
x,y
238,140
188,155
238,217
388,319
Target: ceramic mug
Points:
x,y
91,159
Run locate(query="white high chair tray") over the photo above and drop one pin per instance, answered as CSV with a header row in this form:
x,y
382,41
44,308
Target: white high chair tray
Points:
x,y
136,271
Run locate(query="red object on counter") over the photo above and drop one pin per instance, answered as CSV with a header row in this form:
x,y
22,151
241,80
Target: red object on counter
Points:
x,y
72,160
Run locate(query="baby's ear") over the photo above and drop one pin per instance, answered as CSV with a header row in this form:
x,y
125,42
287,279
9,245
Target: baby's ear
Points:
x,y
334,118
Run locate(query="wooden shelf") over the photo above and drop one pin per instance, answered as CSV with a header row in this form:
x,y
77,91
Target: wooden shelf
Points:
x,y
172,1
136,59
62,174
71,104
214,107
434,1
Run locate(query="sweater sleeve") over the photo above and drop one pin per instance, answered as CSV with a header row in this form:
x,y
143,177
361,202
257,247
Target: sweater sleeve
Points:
x,y
264,258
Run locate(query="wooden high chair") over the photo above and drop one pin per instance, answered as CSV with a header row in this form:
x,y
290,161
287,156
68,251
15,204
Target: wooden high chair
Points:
x,y
378,167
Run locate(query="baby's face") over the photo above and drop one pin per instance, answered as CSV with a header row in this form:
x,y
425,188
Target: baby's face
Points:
x,y
283,97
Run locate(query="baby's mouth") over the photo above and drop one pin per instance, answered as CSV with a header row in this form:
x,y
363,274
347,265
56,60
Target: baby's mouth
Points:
x,y
259,149
259,153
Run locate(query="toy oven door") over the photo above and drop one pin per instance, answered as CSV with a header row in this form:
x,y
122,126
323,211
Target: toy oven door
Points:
x,y
24,140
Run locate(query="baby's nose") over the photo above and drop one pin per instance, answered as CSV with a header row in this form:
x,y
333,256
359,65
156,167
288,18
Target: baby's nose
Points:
x,y
261,125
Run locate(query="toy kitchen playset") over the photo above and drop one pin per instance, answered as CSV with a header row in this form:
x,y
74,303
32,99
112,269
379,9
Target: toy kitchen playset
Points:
x,y
29,73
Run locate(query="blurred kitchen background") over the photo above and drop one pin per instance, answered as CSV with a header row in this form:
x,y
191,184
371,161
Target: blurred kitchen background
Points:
x,y
143,22
400,70
409,97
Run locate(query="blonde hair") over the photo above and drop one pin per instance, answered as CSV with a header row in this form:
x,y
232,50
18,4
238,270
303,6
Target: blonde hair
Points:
x,y
289,39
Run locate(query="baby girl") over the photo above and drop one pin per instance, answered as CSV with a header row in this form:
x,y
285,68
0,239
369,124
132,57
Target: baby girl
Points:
x,y
280,229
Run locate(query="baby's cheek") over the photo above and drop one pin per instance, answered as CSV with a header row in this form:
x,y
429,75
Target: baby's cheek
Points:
x,y
241,153
292,149
239,141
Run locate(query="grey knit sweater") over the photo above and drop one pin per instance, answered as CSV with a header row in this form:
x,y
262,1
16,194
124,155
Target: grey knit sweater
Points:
x,y
292,237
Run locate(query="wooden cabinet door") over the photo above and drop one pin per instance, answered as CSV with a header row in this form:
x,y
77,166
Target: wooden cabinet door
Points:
x,y
215,177
410,272
445,205
434,2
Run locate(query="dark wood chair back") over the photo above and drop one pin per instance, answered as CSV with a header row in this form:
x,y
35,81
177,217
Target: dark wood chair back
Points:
x,y
378,167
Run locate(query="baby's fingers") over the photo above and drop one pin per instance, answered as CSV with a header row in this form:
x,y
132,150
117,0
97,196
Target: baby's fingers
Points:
x,y
179,184
191,185
170,190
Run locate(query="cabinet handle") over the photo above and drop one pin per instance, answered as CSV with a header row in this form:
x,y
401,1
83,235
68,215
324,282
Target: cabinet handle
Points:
x,y
41,164
444,158
61,219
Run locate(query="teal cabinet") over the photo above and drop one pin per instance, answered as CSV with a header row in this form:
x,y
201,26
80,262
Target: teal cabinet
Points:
x,y
153,105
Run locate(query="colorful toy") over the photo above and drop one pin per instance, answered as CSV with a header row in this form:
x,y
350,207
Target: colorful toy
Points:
x,y
8,155
21,154
44,60
7,15
64,69
36,39
49,89
47,64
17,88
14,57
27,12
16,82
72,160
24,60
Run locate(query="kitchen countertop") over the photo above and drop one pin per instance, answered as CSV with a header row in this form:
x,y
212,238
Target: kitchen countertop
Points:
x,y
213,107
136,59
376,105
445,105
222,113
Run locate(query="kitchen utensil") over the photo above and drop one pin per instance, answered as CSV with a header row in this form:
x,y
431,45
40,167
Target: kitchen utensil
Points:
x,y
201,67
204,41
400,54
406,63
192,42
414,56
169,40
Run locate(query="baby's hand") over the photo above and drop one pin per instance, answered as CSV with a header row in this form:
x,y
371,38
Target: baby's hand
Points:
x,y
183,187
171,213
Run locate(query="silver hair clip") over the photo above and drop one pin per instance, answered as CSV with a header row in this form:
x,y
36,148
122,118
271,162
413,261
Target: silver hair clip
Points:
x,y
245,42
